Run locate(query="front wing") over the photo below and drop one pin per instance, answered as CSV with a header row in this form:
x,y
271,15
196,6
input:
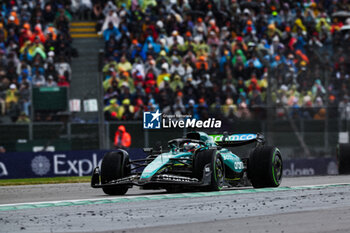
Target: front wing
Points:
x,y
160,180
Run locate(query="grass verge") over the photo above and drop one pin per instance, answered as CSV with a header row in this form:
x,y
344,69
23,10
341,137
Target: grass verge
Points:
x,y
46,180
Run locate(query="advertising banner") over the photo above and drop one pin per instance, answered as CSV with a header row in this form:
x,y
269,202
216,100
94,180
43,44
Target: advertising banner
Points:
x,y
310,167
81,163
51,164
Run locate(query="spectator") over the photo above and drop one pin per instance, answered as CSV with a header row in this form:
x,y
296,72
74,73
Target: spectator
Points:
x,y
23,118
62,81
210,58
111,32
63,68
111,111
124,65
29,38
11,96
344,108
125,112
24,98
122,139
50,82
38,79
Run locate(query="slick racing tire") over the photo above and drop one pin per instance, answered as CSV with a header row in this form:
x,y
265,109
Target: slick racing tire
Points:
x,y
265,167
343,158
214,161
115,165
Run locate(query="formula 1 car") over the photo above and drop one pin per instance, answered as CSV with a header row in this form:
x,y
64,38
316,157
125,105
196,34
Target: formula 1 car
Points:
x,y
198,161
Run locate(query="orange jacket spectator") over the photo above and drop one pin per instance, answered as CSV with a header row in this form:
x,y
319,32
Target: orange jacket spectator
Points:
x,y
14,17
38,33
302,56
202,63
122,138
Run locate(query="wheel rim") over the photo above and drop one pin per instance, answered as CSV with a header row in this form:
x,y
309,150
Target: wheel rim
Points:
x,y
219,171
277,168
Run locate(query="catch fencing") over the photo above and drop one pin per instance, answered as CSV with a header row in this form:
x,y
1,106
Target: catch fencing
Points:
x,y
302,139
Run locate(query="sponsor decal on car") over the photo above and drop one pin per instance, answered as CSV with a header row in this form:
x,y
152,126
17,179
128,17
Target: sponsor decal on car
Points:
x,y
233,137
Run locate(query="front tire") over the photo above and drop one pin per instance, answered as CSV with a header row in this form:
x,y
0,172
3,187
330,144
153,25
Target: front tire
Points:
x,y
265,167
115,165
216,165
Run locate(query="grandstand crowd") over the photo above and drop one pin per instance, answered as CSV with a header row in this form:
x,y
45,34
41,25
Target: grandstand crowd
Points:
x,y
208,58
225,58
35,51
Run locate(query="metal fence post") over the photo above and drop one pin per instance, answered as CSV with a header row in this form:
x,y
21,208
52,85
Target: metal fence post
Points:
x,y
107,139
326,122
69,131
101,117
30,130
302,128
145,131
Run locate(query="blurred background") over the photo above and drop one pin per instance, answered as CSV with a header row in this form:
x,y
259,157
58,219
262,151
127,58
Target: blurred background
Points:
x,y
72,72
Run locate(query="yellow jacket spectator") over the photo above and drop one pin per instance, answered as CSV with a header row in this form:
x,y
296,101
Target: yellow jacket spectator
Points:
x,y
23,118
123,3
272,31
263,82
322,24
124,65
126,81
229,108
37,48
126,111
108,82
111,64
25,46
161,58
176,83
11,95
202,49
164,73
146,3
111,111
298,24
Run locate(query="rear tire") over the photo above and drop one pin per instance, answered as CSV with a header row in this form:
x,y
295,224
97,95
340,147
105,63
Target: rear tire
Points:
x,y
115,165
265,167
343,158
217,168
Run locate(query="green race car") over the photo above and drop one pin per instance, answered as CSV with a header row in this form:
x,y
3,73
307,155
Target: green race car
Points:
x,y
198,161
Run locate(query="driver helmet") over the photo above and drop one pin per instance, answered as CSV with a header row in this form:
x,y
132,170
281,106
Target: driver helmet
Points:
x,y
191,146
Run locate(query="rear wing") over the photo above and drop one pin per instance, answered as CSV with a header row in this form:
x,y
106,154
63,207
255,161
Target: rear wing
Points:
x,y
231,140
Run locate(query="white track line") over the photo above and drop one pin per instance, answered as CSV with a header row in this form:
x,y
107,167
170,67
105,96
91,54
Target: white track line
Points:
x,y
146,196
76,200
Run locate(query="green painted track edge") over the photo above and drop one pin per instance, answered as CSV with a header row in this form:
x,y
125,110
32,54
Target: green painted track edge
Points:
x,y
160,197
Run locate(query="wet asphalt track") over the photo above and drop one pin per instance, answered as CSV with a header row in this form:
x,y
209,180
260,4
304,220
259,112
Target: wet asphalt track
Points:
x,y
316,209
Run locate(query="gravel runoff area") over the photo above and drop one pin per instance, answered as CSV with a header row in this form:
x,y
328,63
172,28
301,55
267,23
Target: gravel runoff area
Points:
x,y
317,209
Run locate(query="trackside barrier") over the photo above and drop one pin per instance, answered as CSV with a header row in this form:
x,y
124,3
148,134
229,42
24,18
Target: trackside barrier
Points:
x,y
81,163
53,164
